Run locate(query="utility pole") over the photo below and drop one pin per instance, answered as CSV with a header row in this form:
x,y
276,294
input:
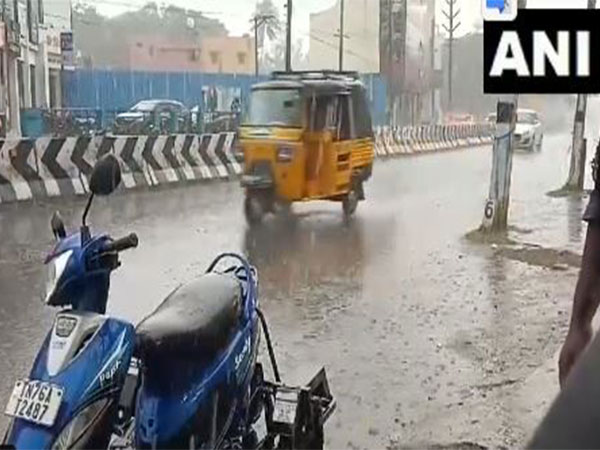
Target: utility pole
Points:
x,y
495,217
391,71
432,71
256,46
452,25
288,38
579,144
341,56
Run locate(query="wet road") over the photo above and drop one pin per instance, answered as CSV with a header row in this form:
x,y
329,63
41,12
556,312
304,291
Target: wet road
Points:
x,y
427,338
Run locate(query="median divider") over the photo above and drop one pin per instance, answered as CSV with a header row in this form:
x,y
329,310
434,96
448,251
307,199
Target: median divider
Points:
x,y
52,167
61,166
397,141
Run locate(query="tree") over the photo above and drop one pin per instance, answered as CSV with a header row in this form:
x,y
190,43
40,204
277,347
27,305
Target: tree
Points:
x,y
275,58
269,28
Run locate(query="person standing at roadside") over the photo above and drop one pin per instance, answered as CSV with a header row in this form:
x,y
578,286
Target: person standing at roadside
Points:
x,y
587,291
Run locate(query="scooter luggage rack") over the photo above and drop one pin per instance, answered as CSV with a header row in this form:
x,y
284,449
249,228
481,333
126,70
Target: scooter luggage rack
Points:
x,y
311,402
295,416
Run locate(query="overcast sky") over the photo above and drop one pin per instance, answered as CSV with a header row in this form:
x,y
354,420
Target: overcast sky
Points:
x,y
235,14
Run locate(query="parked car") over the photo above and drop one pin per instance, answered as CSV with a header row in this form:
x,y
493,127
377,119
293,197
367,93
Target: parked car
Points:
x,y
529,133
153,117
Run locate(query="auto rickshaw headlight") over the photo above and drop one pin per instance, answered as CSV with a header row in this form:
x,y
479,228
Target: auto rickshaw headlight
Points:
x,y
285,154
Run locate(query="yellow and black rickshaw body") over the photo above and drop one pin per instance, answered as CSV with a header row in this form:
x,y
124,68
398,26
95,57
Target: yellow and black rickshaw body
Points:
x,y
316,142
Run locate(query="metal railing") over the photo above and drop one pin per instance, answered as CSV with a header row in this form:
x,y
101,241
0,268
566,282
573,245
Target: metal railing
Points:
x,y
64,122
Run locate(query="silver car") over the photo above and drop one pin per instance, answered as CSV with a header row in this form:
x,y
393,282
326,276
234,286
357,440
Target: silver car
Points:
x,y
529,133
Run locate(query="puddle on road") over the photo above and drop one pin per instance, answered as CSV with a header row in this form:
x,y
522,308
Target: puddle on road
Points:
x,y
532,254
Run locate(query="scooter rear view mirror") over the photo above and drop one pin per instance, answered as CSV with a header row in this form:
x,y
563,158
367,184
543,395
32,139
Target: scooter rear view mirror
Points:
x,y
106,176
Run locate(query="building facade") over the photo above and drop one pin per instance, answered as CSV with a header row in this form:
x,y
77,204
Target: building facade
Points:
x,y
155,53
57,20
361,37
396,38
219,54
31,58
228,55
410,56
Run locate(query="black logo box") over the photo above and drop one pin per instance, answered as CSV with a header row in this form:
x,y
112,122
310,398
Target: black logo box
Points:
x,y
550,21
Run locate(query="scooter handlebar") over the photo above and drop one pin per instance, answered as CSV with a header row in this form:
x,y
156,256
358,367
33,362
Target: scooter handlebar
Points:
x,y
125,243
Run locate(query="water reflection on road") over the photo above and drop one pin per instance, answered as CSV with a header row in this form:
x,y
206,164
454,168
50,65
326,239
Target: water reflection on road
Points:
x,y
422,333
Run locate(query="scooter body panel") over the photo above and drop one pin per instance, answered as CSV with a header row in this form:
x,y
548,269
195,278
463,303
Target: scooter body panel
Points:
x,y
95,372
175,400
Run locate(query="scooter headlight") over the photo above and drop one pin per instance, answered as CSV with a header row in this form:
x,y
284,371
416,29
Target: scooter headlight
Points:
x,y
80,425
56,268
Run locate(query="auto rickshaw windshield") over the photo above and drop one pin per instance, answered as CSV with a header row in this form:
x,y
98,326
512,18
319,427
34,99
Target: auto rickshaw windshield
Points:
x,y
275,108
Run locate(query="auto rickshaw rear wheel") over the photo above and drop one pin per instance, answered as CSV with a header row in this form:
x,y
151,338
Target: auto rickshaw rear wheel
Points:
x,y
350,203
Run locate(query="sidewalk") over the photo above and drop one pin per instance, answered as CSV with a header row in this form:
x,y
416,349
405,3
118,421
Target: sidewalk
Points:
x,y
518,315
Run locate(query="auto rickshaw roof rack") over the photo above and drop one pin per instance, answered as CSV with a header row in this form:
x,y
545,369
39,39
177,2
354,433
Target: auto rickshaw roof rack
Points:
x,y
316,75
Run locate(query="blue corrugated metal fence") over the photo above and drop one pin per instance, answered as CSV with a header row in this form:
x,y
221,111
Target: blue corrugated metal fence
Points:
x,y
112,90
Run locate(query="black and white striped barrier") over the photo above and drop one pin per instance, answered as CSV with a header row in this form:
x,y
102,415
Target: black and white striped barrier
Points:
x,y
52,167
430,138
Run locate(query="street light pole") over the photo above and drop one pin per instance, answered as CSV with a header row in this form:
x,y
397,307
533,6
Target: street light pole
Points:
x,y
341,56
288,38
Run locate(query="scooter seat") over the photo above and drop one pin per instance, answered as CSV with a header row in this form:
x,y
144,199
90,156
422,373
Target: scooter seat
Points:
x,y
196,318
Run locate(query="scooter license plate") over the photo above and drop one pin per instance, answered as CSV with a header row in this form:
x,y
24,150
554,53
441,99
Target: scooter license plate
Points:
x,y
35,401
284,410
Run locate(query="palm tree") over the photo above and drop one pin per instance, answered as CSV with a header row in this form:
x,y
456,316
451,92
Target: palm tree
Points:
x,y
267,20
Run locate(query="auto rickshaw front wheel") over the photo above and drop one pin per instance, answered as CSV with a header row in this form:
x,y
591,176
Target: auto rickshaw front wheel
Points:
x,y
254,209
350,203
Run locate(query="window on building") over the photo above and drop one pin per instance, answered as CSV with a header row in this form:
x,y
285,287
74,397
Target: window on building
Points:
x,y
52,83
2,74
214,57
32,21
241,56
194,55
151,51
32,84
21,83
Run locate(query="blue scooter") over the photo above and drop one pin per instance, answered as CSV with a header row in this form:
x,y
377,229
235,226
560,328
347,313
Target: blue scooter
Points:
x,y
188,377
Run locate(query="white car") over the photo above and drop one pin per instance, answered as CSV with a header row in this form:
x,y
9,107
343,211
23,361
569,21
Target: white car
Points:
x,y
528,131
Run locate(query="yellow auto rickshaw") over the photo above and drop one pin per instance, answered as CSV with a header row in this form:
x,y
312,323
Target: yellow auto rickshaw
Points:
x,y
306,136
